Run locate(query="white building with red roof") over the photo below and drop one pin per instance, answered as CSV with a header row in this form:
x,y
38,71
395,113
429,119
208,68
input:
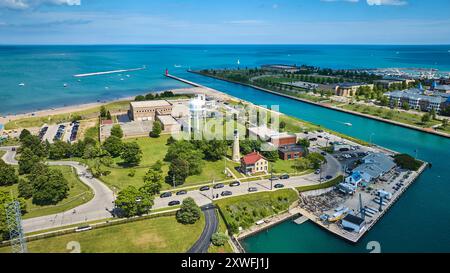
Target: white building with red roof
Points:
x,y
254,163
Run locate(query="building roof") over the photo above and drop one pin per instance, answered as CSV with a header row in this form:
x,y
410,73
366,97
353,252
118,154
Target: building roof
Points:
x,y
418,94
291,148
376,164
252,158
353,219
149,103
443,87
356,176
351,84
167,120
264,132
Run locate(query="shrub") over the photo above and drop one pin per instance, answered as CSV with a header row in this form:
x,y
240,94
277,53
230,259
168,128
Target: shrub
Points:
x,y
219,239
189,212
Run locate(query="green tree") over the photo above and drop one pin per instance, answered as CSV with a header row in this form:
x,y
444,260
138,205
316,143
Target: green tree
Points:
x,y
114,146
272,156
8,174
27,160
131,154
25,188
215,149
153,180
178,171
5,199
189,212
133,202
405,106
304,142
188,152
116,131
219,239
433,114
315,159
24,134
139,98
59,150
426,118
103,112
302,164
50,189
156,130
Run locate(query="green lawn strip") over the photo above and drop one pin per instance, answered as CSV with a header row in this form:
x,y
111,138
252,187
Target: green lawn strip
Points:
x,y
10,142
399,116
244,211
157,235
325,185
79,194
222,229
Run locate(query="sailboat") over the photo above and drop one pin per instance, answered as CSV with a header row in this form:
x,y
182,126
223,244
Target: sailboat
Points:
x,y
238,61
21,84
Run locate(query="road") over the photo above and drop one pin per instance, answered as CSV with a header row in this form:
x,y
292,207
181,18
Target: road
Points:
x,y
211,224
100,207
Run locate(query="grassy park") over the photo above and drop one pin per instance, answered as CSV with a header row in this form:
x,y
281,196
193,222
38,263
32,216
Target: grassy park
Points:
x,y
156,235
79,194
244,211
155,149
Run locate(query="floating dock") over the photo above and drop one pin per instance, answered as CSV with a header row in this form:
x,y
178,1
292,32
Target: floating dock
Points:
x,y
301,220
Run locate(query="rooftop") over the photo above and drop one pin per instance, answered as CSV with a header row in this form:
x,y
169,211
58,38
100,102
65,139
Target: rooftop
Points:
x,y
353,219
291,148
376,164
149,103
251,158
167,120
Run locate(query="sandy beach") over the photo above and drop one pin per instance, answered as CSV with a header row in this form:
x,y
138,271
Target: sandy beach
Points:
x,y
59,110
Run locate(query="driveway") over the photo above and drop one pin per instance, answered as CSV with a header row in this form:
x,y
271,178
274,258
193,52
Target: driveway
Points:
x,y
211,224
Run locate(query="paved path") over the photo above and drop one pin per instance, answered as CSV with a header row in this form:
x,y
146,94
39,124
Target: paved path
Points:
x,y
211,224
100,207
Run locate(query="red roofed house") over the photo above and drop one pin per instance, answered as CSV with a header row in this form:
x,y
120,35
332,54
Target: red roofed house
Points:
x,y
254,163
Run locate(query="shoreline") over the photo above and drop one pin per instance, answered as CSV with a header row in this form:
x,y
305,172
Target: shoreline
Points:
x,y
437,133
4,119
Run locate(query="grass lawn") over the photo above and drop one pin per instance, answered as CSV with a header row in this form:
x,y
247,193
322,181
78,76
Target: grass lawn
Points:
x,y
244,211
157,235
399,116
155,149
328,184
79,194
284,166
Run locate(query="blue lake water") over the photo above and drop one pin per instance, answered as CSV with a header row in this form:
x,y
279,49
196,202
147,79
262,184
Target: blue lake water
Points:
x,y
45,69
418,222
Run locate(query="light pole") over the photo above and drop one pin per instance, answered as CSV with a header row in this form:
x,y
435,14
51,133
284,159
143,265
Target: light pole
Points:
x,y
212,190
271,176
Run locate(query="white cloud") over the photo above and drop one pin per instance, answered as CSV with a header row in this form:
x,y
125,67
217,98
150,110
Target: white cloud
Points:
x,y
24,4
386,2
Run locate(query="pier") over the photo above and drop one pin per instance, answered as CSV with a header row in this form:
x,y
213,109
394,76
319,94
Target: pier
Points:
x,y
108,72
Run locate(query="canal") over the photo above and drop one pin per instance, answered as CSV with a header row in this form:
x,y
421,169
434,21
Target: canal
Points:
x,y
418,222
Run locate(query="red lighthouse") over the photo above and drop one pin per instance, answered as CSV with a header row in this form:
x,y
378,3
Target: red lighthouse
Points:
x,y
167,72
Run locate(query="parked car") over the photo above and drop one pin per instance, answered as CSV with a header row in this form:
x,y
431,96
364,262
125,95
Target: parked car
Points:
x,y
204,188
174,203
323,153
183,192
252,189
317,171
278,186
166,195
226,193
218,186
284,176
235,184
328,177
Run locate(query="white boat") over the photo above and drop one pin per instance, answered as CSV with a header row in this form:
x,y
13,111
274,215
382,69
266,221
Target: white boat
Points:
x,y
65,85
238,62
348,124
21,84
177,65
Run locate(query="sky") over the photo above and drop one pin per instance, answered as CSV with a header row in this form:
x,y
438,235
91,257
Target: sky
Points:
x,y
224,22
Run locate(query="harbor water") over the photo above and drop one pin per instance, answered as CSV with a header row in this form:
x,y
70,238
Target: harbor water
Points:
x,y
418,222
